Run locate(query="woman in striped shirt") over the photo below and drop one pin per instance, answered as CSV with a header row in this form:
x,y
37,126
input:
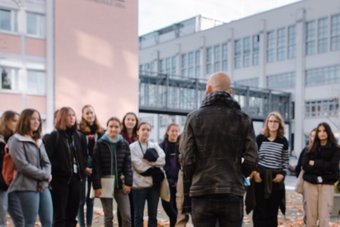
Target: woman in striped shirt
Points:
x,y
271,171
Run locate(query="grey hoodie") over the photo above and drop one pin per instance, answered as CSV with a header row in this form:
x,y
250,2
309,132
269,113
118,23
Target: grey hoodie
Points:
x,y
33,166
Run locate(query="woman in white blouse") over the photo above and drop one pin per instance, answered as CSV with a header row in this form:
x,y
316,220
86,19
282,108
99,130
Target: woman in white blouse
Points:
x,y
147,162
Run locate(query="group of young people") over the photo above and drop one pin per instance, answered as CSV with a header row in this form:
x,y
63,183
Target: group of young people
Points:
x,y
320,162
56,173
59,173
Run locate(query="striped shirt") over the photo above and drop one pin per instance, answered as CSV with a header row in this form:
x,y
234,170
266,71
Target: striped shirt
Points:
x,y
273,154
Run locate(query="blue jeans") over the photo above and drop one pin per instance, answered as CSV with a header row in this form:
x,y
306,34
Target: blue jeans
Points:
x,y
139,197
226,209
85,198
14,209
3,207
33,203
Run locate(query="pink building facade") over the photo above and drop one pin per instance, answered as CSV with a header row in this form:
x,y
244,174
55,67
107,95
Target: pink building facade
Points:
x,y
69,53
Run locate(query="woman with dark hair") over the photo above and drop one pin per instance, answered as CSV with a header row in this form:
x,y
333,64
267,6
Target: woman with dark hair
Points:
x,y
33,167
298,167
67,150
271,171
171,149
129,127
129,133
112,158
90,127
147,160
321,166
8,123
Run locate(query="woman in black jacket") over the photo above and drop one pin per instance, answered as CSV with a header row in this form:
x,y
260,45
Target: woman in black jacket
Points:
x,y
171,149
321,166
112,158
90,127
67,151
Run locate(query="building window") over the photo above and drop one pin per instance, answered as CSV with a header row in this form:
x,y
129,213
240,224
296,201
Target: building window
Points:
x,y
252,82
197,63
209,56
184,63
256,49
291,42
323,35
225,57
217,58
322,108
323,76
246,51
335,32
281,44
237,53
281,81
35,82
271,46
146,68
191,64
10,79
8,20
36,25
173,65
310,37
189,67
166,66
161,66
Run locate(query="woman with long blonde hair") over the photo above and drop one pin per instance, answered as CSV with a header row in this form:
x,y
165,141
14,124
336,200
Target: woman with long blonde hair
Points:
x,y
271,171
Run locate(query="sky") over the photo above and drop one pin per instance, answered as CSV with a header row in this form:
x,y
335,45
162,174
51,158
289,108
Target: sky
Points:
x,y
156,14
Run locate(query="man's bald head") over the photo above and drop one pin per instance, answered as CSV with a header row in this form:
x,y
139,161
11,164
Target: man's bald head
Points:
x,y
218,82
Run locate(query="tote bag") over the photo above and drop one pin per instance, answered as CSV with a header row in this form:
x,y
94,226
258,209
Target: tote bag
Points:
x,y
108,186
299,183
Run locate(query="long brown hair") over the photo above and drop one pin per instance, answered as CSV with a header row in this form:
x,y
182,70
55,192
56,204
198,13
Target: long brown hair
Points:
x,y
6,117
84,126
60,122
24,125
331,140
166,136
281,129
134,130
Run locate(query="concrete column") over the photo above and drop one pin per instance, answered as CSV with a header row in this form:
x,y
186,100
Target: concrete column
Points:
x,y
299,111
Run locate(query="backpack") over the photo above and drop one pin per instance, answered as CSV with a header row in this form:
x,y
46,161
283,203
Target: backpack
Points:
x,y
8,169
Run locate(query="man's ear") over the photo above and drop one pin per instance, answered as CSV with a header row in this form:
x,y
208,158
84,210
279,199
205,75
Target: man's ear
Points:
x,y
208,89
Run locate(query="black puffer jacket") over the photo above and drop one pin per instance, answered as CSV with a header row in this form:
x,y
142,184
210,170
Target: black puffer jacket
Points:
x,y
60,156
215,139
326,165
102,162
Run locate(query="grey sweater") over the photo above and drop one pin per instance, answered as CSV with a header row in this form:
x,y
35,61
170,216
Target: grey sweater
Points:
x,y
33,166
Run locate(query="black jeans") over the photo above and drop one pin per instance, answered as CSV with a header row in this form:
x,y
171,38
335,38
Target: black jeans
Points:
x,y
226,209
266,210
66,198
170,207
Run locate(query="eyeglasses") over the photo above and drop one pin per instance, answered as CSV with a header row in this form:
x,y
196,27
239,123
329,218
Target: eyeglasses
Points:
x,y
273,121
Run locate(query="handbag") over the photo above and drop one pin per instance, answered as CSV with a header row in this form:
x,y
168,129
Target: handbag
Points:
x,y
299,182
150,154
165,190
108,187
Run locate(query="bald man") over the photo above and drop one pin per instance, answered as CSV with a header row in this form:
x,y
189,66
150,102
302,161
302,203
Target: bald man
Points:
x,y
218,148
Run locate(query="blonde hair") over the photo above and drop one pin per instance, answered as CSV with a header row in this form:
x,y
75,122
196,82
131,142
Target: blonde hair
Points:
x,y
281,129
